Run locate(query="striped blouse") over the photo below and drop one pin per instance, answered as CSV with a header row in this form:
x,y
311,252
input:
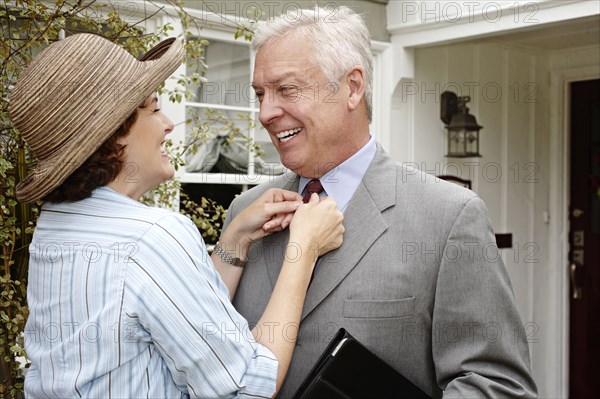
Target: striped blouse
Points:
x,y
125,302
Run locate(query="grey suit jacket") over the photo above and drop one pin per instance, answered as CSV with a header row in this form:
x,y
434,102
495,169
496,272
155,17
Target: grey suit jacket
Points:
x,y
418,280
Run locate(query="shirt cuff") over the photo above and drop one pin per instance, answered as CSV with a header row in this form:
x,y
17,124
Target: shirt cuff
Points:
x,y
261,375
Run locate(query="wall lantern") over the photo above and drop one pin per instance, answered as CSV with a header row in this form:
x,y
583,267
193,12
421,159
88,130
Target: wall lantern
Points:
x,y
462,127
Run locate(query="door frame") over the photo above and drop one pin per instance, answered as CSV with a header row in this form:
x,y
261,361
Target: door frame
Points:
x,y
560,161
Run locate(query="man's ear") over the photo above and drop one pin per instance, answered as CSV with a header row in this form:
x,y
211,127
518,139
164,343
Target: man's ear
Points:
x,y
355,79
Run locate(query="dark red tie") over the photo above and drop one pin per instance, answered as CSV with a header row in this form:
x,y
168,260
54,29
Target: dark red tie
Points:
x,y
313,186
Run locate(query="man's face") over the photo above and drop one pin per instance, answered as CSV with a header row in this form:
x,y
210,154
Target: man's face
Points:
x,y
304,113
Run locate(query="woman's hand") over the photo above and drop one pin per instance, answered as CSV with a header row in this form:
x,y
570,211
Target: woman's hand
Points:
x,y
318,224
270,212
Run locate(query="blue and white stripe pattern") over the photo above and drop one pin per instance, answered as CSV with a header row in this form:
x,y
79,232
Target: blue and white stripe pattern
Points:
x,y
125,303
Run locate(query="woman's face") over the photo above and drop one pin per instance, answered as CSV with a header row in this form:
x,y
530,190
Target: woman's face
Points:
x,y
145,162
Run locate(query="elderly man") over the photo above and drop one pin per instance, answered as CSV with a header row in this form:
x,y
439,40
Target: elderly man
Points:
x,y
412,280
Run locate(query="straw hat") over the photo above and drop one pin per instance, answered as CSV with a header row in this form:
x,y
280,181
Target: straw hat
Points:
x,y
74,95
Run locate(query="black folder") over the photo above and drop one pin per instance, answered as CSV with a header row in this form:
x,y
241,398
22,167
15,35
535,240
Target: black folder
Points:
x,y
348,370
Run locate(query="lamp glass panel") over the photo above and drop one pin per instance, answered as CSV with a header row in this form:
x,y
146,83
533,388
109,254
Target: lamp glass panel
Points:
x,y
471,142
456,140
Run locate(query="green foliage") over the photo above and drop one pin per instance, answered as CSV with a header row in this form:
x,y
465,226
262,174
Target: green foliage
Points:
x,y
208,216
26,27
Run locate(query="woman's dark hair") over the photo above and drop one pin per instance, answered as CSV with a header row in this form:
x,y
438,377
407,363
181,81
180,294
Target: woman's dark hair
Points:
x,y
102,167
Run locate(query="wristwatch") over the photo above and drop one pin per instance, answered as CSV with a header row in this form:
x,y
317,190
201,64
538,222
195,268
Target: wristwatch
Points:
x,y
225,257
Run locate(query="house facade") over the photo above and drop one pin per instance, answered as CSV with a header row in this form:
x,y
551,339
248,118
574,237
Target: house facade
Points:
x,y
518,62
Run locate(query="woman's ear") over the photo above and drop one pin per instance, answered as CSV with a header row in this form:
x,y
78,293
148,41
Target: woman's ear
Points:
x,y
355,79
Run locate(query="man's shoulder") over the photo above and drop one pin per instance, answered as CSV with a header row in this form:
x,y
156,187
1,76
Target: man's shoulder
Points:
x,y
413,190
411,183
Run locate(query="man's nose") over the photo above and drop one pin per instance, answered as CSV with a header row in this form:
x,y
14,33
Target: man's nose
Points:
x,y
270,110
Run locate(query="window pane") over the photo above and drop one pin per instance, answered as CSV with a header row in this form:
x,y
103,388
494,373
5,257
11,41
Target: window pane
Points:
x,y
227,75
223,144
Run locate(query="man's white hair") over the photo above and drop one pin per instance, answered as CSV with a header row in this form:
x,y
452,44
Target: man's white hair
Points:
x,y
339,37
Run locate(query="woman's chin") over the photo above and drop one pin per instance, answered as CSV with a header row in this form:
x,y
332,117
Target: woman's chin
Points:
x,y
169,173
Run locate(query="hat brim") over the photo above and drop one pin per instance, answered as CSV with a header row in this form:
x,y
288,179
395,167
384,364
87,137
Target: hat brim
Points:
x,y
158,64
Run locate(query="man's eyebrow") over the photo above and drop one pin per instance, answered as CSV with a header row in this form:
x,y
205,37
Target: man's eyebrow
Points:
x,y
279,79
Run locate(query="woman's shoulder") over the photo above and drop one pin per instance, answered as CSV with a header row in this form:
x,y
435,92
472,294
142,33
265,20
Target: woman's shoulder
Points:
x,y
113,212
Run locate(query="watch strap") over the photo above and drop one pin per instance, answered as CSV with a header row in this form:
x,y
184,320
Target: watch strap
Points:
x,y
227,258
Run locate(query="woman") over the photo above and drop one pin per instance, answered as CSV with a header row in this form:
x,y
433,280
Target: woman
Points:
x,y
124,300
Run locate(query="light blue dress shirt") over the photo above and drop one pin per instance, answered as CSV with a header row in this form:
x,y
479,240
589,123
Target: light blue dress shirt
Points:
x,y
341,182
125,303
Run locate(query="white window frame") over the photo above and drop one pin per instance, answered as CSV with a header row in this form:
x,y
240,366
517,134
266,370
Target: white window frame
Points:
x,y
250,178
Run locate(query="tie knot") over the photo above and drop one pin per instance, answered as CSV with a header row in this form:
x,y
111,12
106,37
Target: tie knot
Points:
x,y
313,186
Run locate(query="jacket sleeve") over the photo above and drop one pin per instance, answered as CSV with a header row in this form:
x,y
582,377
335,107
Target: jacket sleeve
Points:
x,y
478,341
183,307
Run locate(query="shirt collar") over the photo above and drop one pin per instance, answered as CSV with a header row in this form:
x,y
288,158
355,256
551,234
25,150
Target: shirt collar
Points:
x,y
341,182
108,193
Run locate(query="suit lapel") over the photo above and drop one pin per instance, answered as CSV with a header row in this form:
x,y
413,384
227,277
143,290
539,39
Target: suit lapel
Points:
x,y
364,224
274,245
